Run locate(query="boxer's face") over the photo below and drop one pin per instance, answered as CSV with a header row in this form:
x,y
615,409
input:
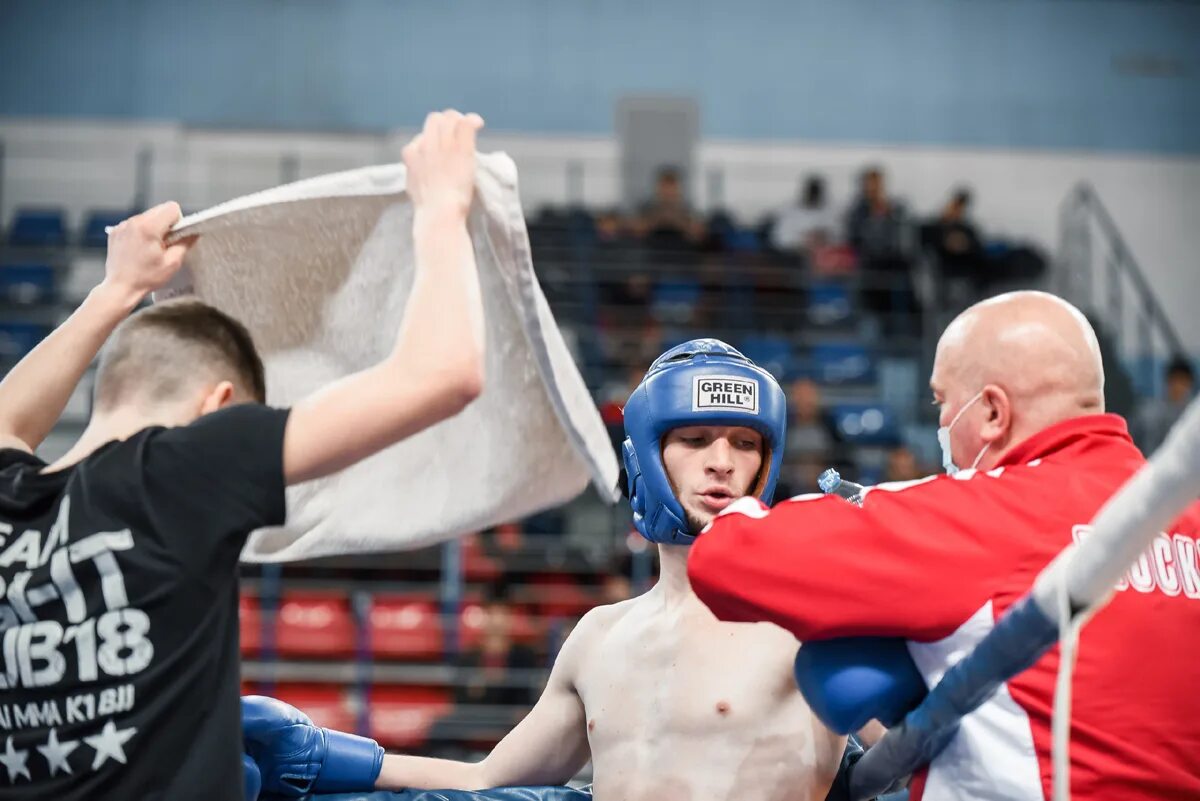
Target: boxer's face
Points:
x,y
710,467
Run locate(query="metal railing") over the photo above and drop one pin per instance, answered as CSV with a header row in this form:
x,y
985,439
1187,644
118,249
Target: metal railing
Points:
x,y
1097,271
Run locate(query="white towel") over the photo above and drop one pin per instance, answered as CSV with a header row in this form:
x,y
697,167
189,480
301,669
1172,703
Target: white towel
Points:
x,y
319,271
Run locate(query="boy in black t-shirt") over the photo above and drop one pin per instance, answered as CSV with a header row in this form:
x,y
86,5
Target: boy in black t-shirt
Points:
x,y
118,588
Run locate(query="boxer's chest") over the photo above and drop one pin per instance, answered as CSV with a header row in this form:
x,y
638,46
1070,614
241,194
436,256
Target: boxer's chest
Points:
x,y
661,679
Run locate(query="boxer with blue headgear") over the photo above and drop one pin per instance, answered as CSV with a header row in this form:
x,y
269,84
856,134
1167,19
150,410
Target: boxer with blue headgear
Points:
x,y
701,383
665,700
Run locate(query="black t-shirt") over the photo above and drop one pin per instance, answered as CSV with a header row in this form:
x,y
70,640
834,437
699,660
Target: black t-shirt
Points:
x,y
118,610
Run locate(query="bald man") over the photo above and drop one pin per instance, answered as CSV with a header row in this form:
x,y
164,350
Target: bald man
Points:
x,y
936,562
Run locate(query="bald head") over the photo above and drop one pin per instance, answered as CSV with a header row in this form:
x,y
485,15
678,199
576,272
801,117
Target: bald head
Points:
x,y
1035,349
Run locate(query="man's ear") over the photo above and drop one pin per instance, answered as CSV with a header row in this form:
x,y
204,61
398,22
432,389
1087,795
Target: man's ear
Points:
x,y
218,397
998,422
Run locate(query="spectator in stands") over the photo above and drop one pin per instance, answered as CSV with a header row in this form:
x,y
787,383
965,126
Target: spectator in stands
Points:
x,y
505,545
810,223
902,465
877,224
610,226
626,293
955,242
667,218
812,441
1155,416
879,229
809,429
489,678
625,287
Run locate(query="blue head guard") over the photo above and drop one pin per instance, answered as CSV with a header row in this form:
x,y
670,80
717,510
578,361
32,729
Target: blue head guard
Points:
x,y
699,383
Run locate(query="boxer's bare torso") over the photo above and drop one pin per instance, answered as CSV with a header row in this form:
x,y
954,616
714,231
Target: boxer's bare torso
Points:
x,y
679,705
668,703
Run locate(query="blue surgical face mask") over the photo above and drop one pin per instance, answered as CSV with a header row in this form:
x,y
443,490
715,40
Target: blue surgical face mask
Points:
x,y
943,436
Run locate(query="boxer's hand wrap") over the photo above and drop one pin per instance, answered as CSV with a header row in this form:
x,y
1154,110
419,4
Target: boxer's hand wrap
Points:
x,y
297,757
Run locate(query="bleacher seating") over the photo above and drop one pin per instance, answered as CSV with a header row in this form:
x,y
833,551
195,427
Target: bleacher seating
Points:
x,y
866,424
402,717
327,705
315,625
472,622
842,363
27,284
38,228
556,595
477,565
772,353
675,299
18,338
94,235
829,304
406,627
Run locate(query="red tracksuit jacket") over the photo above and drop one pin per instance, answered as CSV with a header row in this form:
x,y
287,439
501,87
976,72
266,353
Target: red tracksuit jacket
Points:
x,y
937,561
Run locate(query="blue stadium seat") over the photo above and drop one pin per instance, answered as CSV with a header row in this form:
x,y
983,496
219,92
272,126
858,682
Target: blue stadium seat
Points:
x,y
17,339
736,306
866,423
772,353
732,237
38,228
842,363
675,299
27,284
829,304
97,220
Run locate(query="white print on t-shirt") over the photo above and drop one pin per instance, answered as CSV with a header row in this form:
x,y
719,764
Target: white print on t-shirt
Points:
x,y
108,744
1169,565
78,708
41,653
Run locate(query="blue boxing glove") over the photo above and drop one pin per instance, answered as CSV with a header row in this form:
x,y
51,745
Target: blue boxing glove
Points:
x,y
849,682
251,778
297,757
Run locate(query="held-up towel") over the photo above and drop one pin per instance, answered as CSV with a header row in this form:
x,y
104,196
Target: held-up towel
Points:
x,y
320,271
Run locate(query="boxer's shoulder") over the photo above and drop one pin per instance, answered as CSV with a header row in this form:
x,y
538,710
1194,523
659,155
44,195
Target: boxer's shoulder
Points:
x,y
599,620
589,632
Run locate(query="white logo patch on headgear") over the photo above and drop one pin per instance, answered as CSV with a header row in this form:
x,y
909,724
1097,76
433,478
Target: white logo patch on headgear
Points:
x,y
724,392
